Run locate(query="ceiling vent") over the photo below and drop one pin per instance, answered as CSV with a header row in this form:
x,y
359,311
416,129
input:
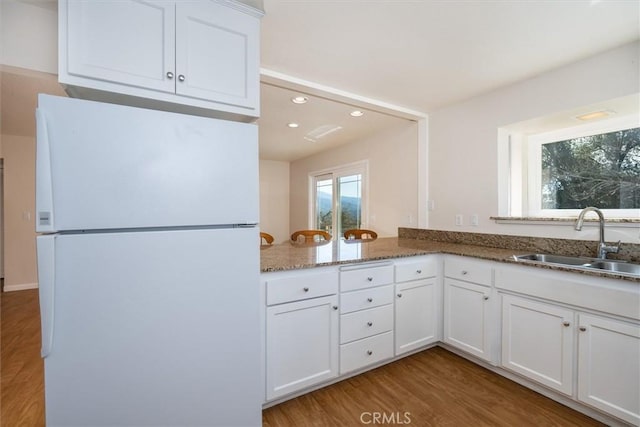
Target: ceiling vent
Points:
x,y
321,132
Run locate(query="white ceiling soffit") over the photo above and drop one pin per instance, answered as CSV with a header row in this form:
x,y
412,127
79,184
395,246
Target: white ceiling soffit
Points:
x,y
424,55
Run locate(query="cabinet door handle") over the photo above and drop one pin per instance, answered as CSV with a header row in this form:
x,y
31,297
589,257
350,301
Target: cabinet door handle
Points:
x,y
369,352
464,272
169,75
583,328
369,323
419,271
335,307
566,323
181,77
370,299
305,289
370,279
399,295
486,297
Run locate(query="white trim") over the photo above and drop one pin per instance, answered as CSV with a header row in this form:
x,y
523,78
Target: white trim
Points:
x,y
20,287
423,176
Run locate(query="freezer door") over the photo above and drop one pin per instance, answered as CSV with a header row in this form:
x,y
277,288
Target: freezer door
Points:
x,y
151,328
104,166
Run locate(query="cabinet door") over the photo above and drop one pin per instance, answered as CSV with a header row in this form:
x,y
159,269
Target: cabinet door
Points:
x,y
537,342
609,366
217,53
466,317
302,344
416,315
130,42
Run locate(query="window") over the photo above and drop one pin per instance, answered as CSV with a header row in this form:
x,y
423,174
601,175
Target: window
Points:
x,y
560,172
338,198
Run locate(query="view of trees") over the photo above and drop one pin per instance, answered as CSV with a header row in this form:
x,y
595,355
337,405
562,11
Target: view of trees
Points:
x,y
600,170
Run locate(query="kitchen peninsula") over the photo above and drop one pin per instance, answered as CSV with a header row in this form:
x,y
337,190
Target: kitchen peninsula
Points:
x,y
336,309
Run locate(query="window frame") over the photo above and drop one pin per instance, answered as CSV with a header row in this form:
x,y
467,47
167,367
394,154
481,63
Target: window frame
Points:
x,y
359,167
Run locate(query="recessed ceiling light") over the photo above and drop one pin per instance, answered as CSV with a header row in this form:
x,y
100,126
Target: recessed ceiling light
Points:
x,y
293,125
356,113
595,115
299,99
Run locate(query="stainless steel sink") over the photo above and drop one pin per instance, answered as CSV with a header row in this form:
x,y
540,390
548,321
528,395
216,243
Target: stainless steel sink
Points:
x,y
613,266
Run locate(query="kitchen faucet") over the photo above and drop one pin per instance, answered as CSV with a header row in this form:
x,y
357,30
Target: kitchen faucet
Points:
x,y
603,248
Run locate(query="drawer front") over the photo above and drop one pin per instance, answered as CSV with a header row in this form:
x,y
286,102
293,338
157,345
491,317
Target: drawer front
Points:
x,y
299,287
468,270
366,298
352,280
406,271
365,323
359,354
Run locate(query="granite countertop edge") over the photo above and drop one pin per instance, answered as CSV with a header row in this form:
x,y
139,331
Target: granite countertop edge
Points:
x,y
284,256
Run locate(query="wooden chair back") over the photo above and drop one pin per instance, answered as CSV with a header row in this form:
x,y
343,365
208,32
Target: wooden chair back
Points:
x,y
268,238
360,234
310,235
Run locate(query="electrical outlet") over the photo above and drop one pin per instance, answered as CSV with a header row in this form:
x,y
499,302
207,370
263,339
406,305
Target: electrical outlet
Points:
x,y
474,220
459,219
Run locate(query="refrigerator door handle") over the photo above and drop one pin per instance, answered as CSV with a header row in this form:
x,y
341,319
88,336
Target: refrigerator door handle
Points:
x,y
46,289
44,187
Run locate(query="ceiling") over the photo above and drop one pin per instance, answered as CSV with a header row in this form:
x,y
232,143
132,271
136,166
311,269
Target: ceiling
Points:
x,y
419,55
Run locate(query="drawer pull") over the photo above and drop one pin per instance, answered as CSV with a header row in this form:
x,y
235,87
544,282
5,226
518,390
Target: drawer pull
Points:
x,y
486,297
583,328
169,75
181,77
335,307
369,323
566,323
419,271
370,299
370,279
305,289
369,352
464,272
399,295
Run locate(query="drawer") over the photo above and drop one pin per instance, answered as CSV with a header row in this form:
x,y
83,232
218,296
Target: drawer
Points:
x,y
415,270
366,298
469,270
365,323
301,286
351,280
359,354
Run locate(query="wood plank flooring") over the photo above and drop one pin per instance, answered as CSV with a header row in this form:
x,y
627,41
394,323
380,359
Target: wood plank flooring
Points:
x,y
431,388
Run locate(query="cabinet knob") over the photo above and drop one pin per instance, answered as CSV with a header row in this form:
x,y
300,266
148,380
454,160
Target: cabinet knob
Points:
x,y
369,352
169,75
370,279
399,295
181,77
306,289
419,271
583,328
335,307
369,323
566,323
486,297
370,299
464,272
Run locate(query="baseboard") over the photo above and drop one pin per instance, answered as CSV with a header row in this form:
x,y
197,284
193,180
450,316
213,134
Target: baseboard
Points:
x,y
19,287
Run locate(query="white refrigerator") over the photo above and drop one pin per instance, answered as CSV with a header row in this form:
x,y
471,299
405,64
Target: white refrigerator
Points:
x,y
148,266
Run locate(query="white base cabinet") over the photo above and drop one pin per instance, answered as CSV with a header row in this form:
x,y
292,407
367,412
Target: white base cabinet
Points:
x,y
537,342
609,366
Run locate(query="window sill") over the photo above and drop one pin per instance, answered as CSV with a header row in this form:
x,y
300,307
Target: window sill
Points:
x,y
525,220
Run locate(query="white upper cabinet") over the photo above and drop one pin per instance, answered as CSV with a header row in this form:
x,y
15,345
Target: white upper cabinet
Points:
x,y
193,57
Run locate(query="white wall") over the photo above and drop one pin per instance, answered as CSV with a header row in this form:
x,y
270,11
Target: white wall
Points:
x,y
29,35
274,199
393,178
463,147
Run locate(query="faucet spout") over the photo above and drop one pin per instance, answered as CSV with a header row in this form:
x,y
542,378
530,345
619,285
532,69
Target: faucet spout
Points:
x,y
603,248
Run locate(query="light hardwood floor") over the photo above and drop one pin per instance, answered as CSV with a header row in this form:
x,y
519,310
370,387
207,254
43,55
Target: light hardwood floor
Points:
x,y
431,388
